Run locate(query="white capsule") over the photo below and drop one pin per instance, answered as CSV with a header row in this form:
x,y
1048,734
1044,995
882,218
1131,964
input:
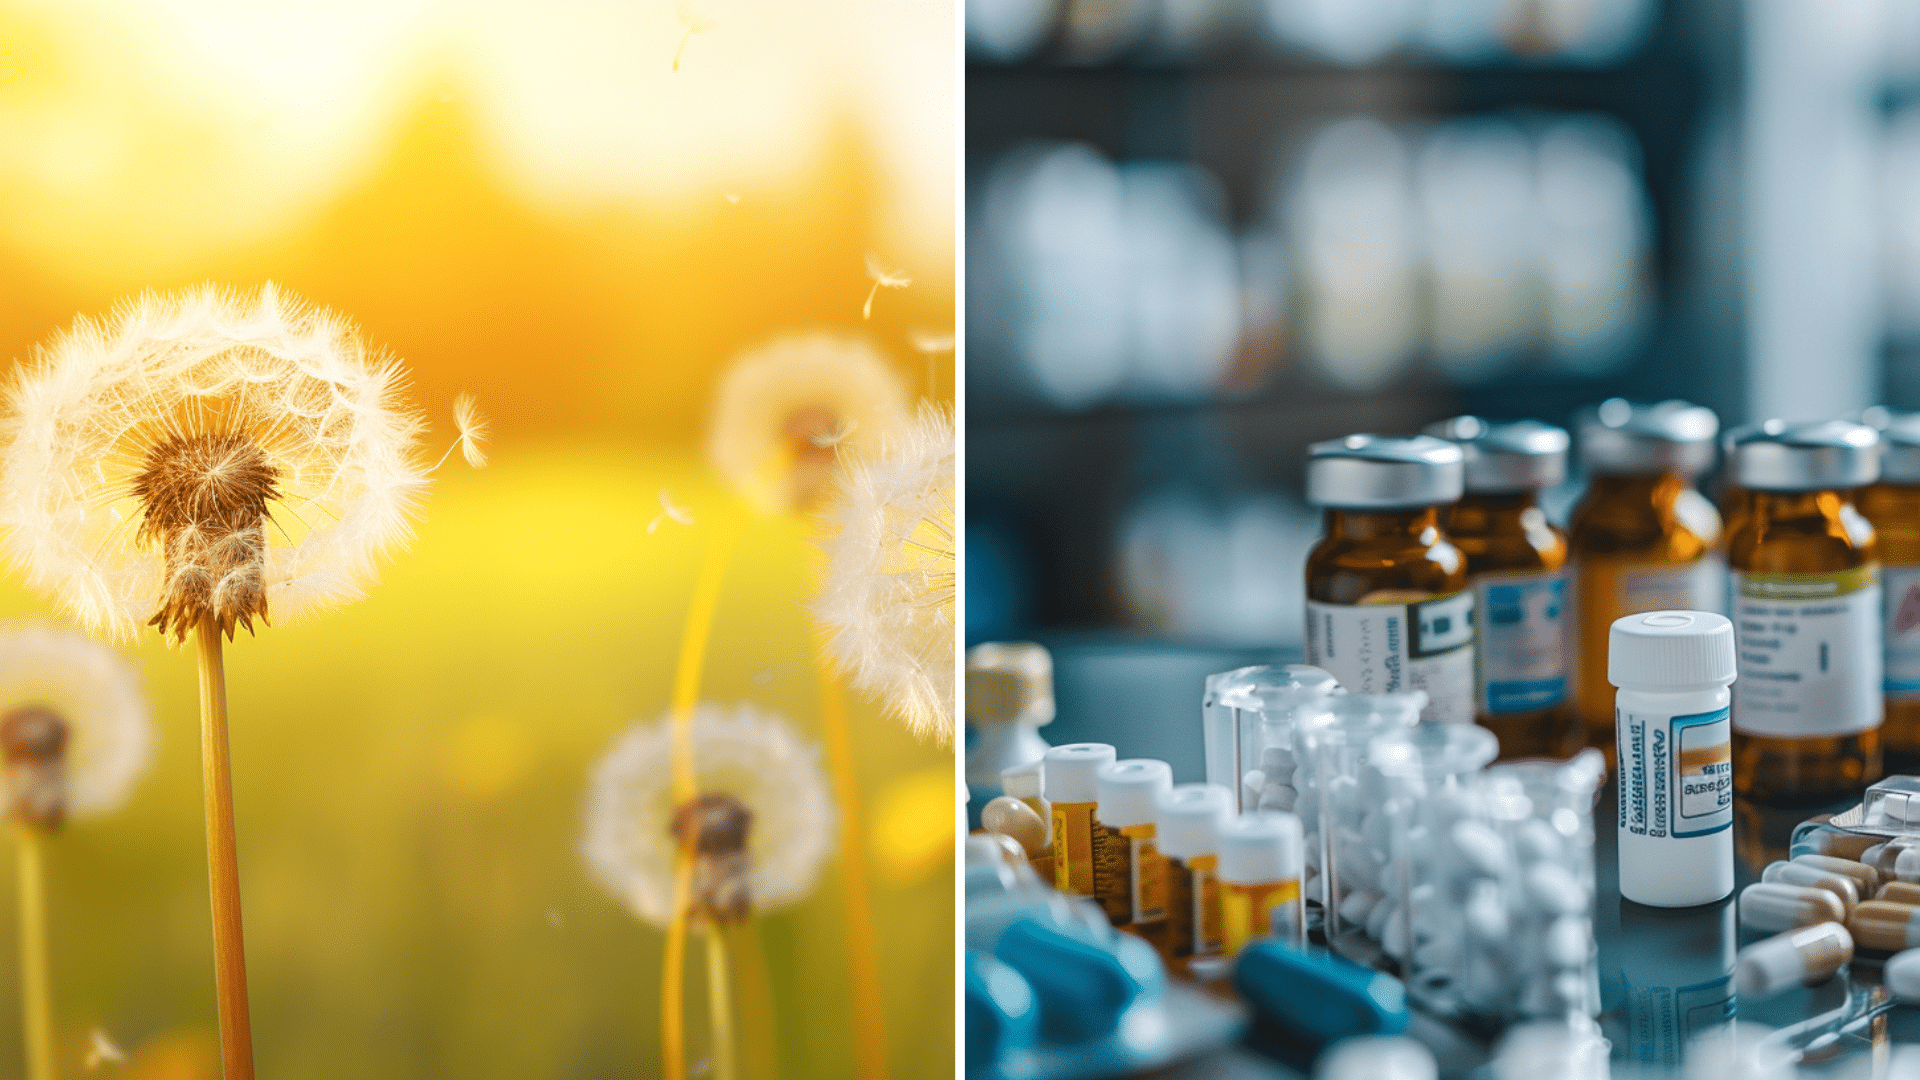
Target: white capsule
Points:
x,y
1377,918
1906,865
1865,877
1569,941
1537,842
1793,873
1774,907
1481,848
1901,975
1803,957
1553,888
1358,905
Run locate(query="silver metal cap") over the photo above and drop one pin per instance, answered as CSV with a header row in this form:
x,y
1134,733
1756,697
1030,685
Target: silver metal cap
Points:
x,y
1378,472
1900,448
1515,455
1618,436
1777,456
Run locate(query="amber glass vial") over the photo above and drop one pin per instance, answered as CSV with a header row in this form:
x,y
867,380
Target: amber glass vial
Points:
x,y
1804,578
1642,538
1517,567
1893,505
1388,608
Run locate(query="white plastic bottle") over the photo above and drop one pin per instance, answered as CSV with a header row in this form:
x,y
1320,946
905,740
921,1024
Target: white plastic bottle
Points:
x,y
1674,728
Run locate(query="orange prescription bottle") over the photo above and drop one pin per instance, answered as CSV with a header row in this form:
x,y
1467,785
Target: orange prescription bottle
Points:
x,y
1129,876
1517,565
1069,782
1642,538
1893,505
1804,578
1190,817
1388,608
1262,856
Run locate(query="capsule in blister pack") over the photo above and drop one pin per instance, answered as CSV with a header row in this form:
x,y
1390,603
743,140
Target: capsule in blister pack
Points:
x,y
1341,803
1247,721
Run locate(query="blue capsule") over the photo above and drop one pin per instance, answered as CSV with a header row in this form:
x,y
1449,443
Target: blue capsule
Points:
x,y
1084,975
1315,997
1003,1015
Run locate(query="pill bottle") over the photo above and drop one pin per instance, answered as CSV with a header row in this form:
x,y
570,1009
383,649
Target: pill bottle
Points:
x,y
1009,697
1129,876
1190,817
1247,718
1517,565
1676,756
1261,860
1070,782
1388,608
1642,538
1893,506
1804,580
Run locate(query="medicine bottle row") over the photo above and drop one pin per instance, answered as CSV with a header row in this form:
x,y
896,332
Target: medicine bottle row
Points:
x,y
1439,571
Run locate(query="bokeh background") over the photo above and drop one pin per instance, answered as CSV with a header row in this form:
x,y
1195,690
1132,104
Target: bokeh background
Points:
x,y
526,201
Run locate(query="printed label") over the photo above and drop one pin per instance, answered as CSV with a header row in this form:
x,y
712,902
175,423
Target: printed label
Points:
x,y
1608,590
1193,906
1676,773
1248,912
1901,631
1113,873
1810,652
1073,848
1522,654
1394,647
1149,891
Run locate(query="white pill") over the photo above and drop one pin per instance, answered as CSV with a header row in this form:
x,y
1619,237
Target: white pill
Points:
x,y
1343,795
1377,828
1480,847
1537,842
1569,941
1487,913
1250,785
1277,759
1552,887
1377,919
1278,797
1901,975
1906,865
1358,905
1774,907
1393,937
1377,1057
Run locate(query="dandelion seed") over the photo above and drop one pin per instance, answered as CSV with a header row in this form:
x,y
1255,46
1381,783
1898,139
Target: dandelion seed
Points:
x,y
102,1051
669,512
763,818
471,429
696,23
932,343
888,601
882,278
261,449
776,405
732,198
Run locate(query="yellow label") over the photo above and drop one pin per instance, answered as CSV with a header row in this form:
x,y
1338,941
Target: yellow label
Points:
x,y
1247,911
1113,873
1149,897
1807,586
1073,847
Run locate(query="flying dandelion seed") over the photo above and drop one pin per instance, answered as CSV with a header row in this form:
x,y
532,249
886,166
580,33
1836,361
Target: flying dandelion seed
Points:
x,y
91,696
732,198
882,278
695,22
776,404
746,762
888,601
932,343
470,433
669,512
102,1051
206,453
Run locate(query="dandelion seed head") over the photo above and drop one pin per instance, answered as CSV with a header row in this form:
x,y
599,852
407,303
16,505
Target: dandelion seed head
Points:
x,y
472,428
888,604
206,454
777,401
745,761
75,733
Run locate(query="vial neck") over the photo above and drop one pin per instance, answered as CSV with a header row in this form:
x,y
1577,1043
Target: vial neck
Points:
x,y
1420,525
1649,487
1479,513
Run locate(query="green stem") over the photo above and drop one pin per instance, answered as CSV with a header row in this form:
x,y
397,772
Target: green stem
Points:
x,y
720,1003
36,993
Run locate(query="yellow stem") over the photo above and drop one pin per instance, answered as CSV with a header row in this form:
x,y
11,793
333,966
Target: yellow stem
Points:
x,y
759,1052
869,1016
36,991
223,860
720,1004
686,695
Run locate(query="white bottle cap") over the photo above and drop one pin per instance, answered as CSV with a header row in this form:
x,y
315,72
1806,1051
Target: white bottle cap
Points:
x,y
1009,682
1070,773
1261,847
1127,790
1189,818
1021,781
1670,650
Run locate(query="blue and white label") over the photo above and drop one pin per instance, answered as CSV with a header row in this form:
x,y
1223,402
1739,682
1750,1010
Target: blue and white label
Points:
x,y
1676,773
1523,642
1386,648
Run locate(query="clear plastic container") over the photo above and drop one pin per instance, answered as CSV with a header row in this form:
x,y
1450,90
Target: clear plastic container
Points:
x,y
1544,811
1247,720
1337,789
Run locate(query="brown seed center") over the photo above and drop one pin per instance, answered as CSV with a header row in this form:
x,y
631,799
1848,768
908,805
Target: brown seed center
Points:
x,y
717,824
33,748
204,501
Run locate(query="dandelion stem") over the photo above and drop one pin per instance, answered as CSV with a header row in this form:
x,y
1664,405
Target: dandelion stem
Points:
x,y
686,694
866,310
684,38
869,1017
223,859
720,1003
36,993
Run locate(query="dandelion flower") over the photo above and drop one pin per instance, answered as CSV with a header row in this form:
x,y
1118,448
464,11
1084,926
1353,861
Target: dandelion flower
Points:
x,y
763,818
206,454
74,727
784,413
883,278
888,601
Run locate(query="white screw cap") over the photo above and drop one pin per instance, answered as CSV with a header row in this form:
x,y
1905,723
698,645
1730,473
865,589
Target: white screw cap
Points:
x,y
1670,650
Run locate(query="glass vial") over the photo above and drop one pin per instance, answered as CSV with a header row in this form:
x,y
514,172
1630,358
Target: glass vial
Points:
x,y
1009,697
1190,817
1676,757
1247,724
1262,856
1070,782
1129,877
1388,608
1517,566
1804,578
1893,506
1642,538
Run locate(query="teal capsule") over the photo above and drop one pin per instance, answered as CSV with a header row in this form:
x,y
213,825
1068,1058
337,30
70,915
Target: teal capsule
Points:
x,y
1315,997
